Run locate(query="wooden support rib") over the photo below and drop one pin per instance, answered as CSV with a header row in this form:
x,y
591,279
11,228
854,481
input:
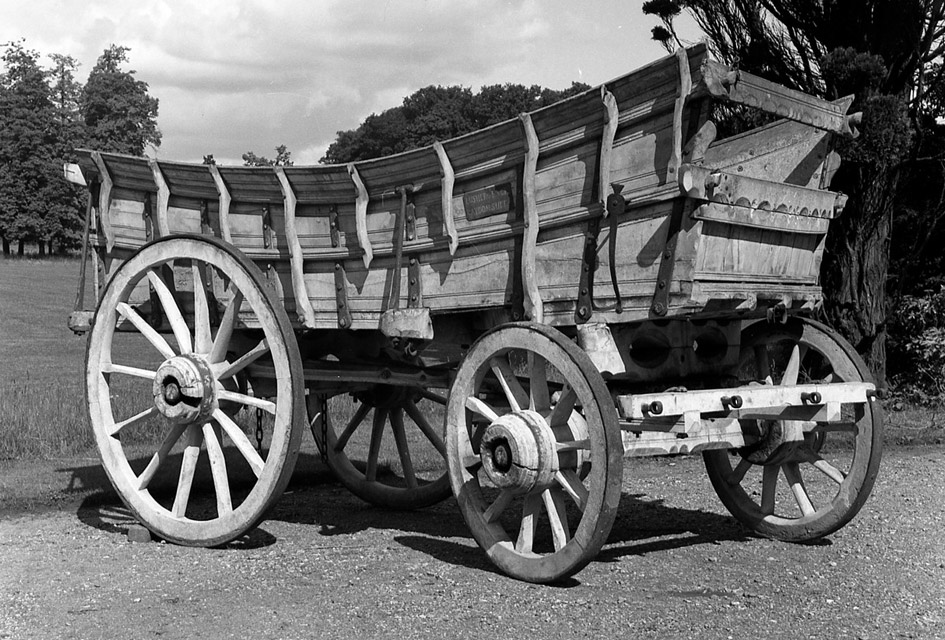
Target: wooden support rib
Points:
x,y
446,189
360,215
105,201
533,307
611,115
163,198
685,88
303,305
224,194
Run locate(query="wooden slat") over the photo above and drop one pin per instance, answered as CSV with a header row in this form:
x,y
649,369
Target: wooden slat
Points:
x,y
685,88
224,194
105,201
303,306
533,306
446,189
163,197
611,115
360,214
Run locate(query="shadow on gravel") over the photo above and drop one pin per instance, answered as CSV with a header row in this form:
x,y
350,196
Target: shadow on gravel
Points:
x,y
313,498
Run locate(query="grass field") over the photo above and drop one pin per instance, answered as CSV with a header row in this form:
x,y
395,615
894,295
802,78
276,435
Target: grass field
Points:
x,y
42,400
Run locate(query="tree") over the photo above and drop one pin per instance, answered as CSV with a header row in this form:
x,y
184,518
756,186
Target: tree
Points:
x,y
876,49
119,114
439,113
283,159
26,147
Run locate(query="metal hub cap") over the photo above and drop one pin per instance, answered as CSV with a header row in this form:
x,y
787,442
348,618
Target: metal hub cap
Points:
x,y
518,452
184,390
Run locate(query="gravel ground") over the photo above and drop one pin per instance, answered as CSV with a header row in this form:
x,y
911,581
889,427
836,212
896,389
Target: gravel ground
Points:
x,y
325,564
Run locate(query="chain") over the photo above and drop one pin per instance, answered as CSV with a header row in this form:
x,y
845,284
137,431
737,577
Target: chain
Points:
x,y
321,417
259,430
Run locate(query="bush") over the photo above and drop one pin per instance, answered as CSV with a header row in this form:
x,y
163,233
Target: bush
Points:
x,y
916,346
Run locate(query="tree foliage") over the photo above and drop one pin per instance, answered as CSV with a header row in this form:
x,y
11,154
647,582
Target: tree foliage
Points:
x,y
880,51
283,159
439,113
119,113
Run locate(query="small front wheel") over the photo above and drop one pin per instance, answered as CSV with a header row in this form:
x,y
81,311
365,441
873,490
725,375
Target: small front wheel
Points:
x,y
534,451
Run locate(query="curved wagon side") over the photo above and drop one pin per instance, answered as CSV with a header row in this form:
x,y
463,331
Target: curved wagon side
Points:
x,y
643,253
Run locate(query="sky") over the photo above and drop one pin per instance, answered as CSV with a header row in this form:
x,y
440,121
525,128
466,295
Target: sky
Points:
x,y
240,75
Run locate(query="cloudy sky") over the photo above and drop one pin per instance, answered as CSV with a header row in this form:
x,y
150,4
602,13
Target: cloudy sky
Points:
x,y
240,75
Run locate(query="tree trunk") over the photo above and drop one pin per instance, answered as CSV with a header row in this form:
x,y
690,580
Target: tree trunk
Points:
x,y
42,247
6,247
856,264
19,248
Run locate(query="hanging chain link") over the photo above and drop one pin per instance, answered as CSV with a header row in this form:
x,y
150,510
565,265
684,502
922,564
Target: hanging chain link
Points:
x,y
259,430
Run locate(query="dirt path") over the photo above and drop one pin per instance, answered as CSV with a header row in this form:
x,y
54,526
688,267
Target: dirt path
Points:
x,y
326,565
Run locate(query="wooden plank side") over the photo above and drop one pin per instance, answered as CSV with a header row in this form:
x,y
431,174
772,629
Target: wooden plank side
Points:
x,y
189,180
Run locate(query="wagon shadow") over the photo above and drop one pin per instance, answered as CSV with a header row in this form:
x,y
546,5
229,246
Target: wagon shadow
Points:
x,y
643,525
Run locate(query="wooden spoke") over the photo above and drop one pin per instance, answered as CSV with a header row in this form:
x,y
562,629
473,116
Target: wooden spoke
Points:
x,y
843,426
557,516
438,398
516,395
573,486
538,397
172,312
374,450
221,482
738,473
421,421
471,461
563,408
152,336
250,401
769,486
400,439
251,356
353,424
762,363
826,468
478,406
245,447
793,475
203,341
574,445
160,455
492,513
793,368
222,341
110,367
134,420
188,466
526,532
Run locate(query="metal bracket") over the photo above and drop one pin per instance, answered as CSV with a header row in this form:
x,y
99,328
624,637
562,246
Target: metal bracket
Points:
x,y
414,288
664,277
341,297
266,226
585,301
147,216
333,225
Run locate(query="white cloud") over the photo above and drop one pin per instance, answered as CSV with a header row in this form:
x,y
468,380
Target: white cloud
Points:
x,y
235,75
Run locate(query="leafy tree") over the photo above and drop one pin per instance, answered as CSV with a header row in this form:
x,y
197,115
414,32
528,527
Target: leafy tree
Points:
x,y
439,113
878,50
283,159
120,115
26,147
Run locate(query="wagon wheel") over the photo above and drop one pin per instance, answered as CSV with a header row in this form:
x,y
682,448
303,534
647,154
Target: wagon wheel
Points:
x,y
828,468
397,431
190,393
534,451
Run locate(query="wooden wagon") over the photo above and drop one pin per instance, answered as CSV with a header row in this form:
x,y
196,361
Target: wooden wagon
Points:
x,y
517,310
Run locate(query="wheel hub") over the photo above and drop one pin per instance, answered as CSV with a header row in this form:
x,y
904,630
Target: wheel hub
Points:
x,y
184,389
518,452
779,442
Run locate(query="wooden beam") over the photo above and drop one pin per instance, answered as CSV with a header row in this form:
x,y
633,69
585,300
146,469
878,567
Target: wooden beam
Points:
x,y
446,189
163,198
360,215
224,194
685,88
303,305
611,114
105,201
534,309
